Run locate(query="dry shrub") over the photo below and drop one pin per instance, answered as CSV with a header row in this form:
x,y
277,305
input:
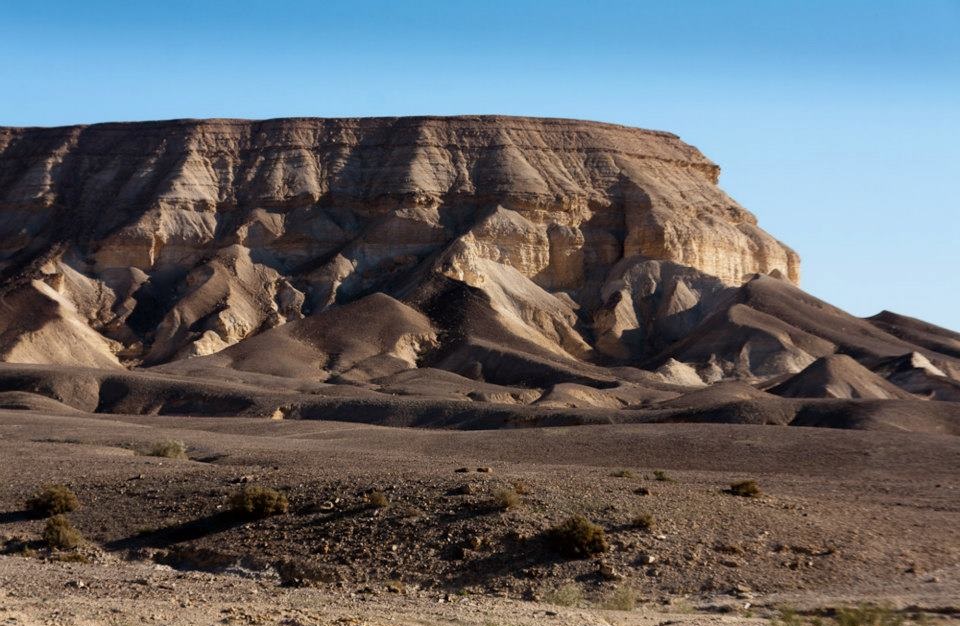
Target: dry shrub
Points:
x,y
60,534
258,502
620,599
578,538
745,489
396,586
378,500
564,595
661,476
868,616
168,449
53,500
295,572
505,499
643,522
623,473
521,487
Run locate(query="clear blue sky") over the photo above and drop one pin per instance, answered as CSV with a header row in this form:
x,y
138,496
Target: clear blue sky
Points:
x,y
836,122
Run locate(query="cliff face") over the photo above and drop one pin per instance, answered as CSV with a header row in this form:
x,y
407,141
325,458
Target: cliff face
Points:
x,y
180,238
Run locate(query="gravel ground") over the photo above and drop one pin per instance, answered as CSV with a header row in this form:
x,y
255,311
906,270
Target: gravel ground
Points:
x,y
844,517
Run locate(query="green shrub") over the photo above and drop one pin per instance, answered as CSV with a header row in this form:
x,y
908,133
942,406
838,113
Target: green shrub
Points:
x,y
168,449
745,489
564,595
59,534
578,538
258,502
506,499
53,500
643,522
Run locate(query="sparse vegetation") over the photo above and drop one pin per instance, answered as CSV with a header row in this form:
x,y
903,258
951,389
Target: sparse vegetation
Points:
x,y
59,534
396,586
258,502
868,616
643,522
623,473
620,599
505,499
378,500
578,538
745,489
789,617
521,487
72,557
465,489
167,449
564,595
661,476
296,572
53,500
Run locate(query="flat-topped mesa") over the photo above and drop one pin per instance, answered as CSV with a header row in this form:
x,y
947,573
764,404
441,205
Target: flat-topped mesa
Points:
x,y
154,193
179,238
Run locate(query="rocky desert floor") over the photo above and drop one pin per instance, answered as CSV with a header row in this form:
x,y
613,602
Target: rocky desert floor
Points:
x,y
392,525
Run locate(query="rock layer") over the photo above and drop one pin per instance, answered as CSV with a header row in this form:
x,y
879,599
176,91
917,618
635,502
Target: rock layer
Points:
x,y
180,238
467,271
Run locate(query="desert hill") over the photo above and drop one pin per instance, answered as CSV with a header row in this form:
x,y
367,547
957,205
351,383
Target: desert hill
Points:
x,y
465,271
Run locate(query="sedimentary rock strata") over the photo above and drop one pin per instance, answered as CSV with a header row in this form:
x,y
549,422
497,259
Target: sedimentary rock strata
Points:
x,y
542,262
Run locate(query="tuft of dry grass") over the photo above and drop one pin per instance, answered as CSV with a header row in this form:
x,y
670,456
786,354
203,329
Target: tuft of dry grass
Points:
x,y
869,615
298,572
521,487
643,522
378,500
396,586
620,599
745,489
578,538
72,557
506,499
564,595
53,500
59,534
661,476
167,449
623,473
258,502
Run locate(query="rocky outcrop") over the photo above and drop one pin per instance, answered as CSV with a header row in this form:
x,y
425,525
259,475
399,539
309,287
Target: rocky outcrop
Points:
x,y
177,239
551,263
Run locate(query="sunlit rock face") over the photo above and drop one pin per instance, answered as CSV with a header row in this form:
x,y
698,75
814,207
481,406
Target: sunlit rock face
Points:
x,y
157,241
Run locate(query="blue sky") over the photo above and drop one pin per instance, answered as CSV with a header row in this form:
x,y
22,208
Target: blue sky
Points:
x,y
836,122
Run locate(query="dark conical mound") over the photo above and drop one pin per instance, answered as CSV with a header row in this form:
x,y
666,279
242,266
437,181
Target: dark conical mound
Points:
x,y
839,376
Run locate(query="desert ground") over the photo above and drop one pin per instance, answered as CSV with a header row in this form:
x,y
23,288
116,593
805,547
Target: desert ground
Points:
x,y
844,518
446,370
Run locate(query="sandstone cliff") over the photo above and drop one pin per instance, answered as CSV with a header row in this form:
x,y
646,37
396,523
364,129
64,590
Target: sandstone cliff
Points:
x,y
176,239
